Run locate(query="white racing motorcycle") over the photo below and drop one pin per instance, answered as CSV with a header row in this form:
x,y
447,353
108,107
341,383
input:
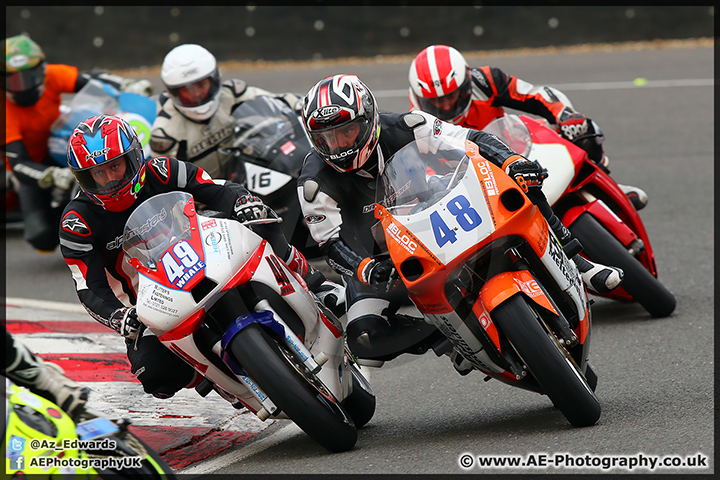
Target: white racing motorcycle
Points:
x,y
215,293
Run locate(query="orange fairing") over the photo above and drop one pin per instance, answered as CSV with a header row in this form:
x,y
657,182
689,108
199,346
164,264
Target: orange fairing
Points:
x,y
403,245
506,284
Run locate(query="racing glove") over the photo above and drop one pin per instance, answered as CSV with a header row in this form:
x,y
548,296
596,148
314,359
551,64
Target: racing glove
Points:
x,y
583,132
61,178
573,125
141,87
249,207
527,174
379,274
126,322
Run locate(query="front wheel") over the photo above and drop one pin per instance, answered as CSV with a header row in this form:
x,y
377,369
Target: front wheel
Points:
x,y
293,389
549,362
602,247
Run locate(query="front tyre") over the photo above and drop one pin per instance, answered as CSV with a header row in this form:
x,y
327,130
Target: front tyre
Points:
x,y
602,247
552,366
294,390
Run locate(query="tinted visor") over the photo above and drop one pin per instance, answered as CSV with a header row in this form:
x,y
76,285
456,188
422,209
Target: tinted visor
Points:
x,y
25,80
110,176
340,145
196,93
448,106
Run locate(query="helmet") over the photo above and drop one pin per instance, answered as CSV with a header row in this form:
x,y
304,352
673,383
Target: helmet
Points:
x,y
341,118
106,157
24,70
192,80
440,83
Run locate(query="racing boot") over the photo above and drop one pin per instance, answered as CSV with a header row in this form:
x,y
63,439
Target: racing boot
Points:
x,y
599,278
331,294
637,196
379,338
46,379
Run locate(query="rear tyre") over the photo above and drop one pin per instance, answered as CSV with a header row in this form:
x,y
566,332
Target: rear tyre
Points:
x,y
294,390
360,404
602,247
552,366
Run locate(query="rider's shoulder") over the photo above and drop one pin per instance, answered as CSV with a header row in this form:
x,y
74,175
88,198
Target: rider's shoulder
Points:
x,y
234,87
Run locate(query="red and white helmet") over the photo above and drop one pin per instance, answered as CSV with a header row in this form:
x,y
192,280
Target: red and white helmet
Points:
x,y
341,118
106,157
440,83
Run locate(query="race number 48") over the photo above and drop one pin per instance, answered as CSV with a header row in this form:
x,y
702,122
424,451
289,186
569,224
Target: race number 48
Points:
x,y
465,215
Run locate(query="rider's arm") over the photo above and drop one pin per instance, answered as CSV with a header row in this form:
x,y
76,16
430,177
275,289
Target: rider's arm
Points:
x,y
86,264
427,127
324,221
24,169
512,92
190,178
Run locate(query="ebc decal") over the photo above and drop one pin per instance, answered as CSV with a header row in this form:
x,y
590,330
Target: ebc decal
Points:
x,y
181,264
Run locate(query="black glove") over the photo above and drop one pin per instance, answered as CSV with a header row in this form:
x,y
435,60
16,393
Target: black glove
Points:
x,y
380,275
527,174
126,321
249,207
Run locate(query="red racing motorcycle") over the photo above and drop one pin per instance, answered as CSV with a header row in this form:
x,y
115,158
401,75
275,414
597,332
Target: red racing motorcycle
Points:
x,y
592,205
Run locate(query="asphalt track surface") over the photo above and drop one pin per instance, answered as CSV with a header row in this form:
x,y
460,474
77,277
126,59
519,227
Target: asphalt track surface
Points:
x,y
656,376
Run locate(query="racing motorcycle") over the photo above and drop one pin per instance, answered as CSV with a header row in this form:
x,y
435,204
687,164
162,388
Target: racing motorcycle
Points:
x,y
216,295
42,441
96,98
93,99
480,263
589,202
267,149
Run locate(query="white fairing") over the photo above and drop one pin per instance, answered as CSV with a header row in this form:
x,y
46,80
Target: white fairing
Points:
x,y
228,248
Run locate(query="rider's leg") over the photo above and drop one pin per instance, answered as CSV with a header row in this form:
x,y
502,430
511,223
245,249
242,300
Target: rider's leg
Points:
x,y
599,278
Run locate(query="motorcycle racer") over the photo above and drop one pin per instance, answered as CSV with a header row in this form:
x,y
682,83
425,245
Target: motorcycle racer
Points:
x,y
46,379
106,159
33,91
336,187
194,111
443,84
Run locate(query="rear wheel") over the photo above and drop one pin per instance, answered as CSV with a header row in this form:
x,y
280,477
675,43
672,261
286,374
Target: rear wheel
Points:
x,y
294,389
602,247
360,404
550,363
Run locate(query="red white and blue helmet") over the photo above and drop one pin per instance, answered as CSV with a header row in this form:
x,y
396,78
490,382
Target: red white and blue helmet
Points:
x,y
335,103
101,143
436,72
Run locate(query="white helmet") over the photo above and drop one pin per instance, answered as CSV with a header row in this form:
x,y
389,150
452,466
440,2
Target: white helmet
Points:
x,y
192,80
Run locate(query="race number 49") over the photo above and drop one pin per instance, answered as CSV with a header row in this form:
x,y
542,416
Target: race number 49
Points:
x,y
179,261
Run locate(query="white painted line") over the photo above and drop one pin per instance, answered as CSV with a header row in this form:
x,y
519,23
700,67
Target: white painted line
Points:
x,y
569,87
45,305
